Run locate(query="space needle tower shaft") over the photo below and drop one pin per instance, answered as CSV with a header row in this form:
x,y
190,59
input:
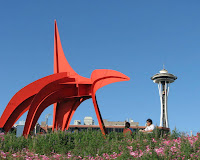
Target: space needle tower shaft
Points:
x,y
163,79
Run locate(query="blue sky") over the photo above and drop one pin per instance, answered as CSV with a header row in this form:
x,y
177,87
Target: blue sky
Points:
x,y
133,37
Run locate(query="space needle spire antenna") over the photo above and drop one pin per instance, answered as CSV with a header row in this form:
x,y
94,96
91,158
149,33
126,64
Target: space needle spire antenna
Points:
x,y
163,79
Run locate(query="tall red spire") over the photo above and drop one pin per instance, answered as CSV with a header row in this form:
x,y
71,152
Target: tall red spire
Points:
x,y
60,62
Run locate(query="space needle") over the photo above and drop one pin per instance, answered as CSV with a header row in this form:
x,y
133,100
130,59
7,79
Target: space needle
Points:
x,y
163,79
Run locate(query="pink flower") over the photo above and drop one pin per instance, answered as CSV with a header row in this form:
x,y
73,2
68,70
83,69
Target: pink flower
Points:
x,y
3,155
160,151
14,155
134,153
141,153
2,136
167,142
178,140
147,148
57,156
153,140
130,147
106,156
69,155
173,149
44,157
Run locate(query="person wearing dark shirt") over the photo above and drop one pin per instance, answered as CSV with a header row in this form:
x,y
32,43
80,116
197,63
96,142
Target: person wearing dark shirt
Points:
x,y
127,130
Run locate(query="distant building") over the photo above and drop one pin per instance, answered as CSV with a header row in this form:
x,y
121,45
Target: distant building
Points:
x,y
118,123
77,122
43,124
20,128
22,122
108,128
19,131
88,121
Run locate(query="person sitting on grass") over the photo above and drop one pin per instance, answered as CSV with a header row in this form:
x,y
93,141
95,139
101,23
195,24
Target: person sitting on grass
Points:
x,y
127,130
150,127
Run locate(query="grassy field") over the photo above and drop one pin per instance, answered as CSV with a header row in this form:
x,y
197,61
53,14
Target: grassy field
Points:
x,y
92,145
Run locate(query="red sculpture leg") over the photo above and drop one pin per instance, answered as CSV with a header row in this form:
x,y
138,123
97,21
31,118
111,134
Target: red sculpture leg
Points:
x,y
36,109
65,111
73,110
17,113
101,78
62,110
16,108
51,87
99,118
67,118
48,89
55,105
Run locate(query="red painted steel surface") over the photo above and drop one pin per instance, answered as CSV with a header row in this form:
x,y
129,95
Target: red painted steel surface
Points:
x,y
65,89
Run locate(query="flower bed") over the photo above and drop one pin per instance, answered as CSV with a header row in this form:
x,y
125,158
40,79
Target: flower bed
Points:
x,y
92,145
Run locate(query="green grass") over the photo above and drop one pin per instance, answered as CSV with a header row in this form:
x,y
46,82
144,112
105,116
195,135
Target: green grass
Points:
x,y
91,143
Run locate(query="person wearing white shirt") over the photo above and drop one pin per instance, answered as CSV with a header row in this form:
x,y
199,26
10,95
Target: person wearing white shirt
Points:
x,y
150,126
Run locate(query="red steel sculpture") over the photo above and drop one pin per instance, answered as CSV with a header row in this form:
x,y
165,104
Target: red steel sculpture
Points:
x,y
65,89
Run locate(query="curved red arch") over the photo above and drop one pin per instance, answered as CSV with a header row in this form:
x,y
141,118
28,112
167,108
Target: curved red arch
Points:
x,y
21,100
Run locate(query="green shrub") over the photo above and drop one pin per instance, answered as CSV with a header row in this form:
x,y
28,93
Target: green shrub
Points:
x,y
91,143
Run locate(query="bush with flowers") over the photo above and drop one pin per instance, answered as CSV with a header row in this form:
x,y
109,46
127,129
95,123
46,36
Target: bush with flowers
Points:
x,y
92,145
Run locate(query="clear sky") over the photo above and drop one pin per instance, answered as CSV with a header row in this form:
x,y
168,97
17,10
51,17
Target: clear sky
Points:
x,y
133,37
